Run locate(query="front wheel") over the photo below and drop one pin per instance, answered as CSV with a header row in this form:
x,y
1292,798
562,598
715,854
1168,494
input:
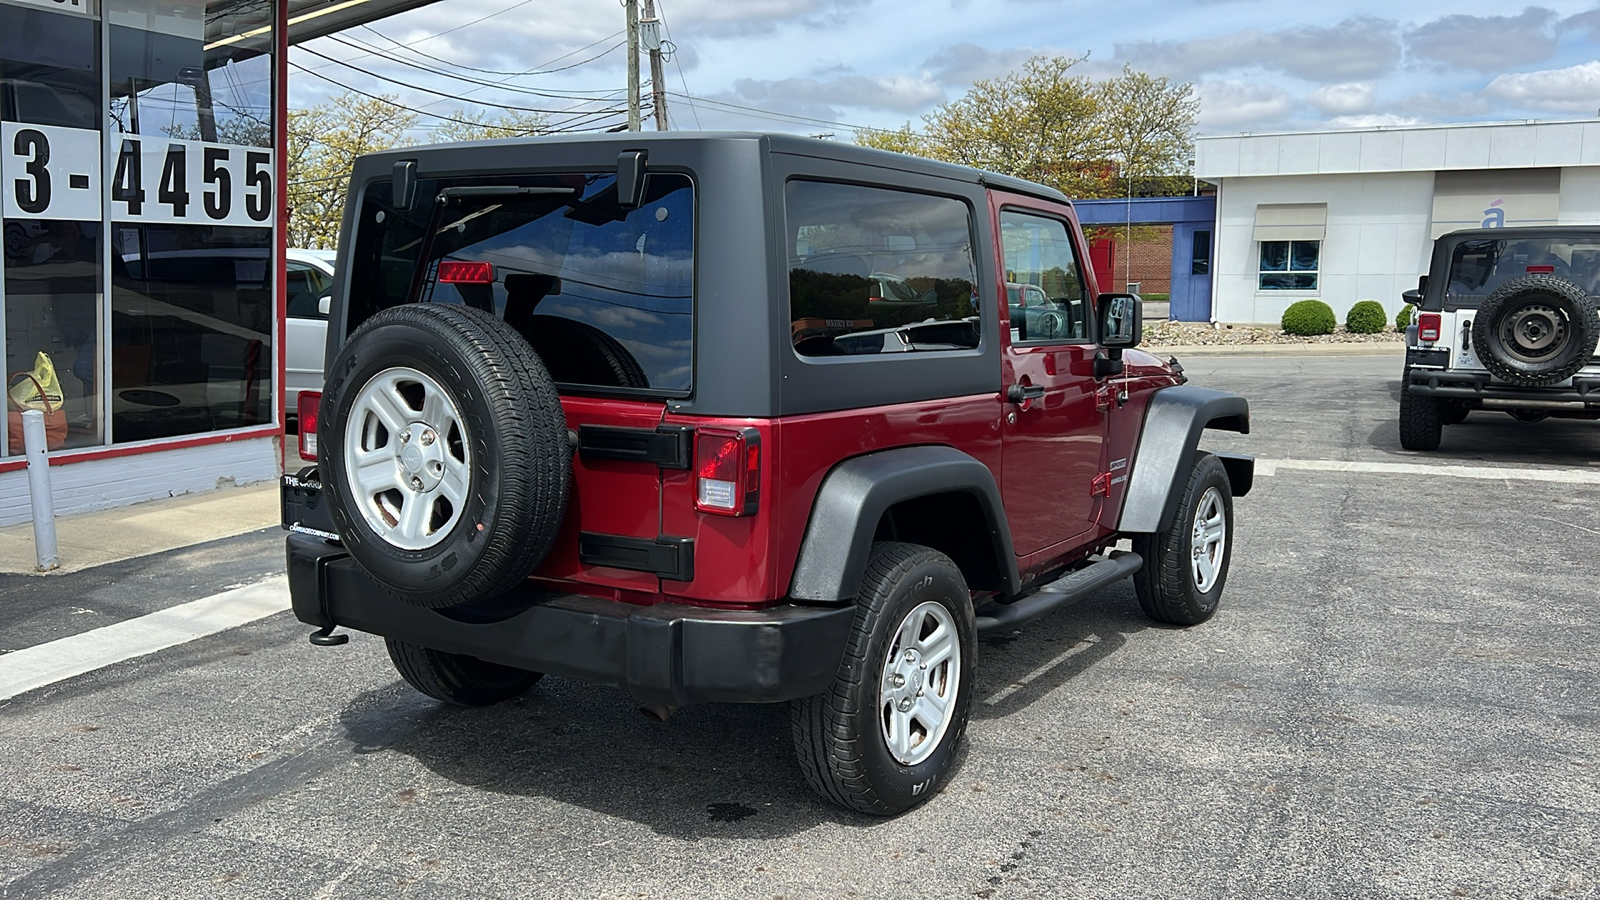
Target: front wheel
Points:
x,y
455,678
883,738
1186,566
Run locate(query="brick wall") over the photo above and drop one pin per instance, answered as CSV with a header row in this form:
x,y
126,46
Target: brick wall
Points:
x,y
1148,260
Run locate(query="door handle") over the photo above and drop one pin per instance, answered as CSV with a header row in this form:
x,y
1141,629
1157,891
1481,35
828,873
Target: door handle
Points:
x,y
1022,393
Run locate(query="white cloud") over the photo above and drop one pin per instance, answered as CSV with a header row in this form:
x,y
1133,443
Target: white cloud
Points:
x,y
1575,89
1354,49
1380,120
898,93
1486,43
1240,106
1348,99
960,65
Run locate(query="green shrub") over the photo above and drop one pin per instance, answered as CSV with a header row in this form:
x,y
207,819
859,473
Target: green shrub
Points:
x,y
1308,317
1366,317
1402,318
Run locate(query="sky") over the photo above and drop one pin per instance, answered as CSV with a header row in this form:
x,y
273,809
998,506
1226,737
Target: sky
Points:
x,y
832,66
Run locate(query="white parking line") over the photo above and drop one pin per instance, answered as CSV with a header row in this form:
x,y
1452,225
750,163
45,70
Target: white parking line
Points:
x,y
45,664
1446,470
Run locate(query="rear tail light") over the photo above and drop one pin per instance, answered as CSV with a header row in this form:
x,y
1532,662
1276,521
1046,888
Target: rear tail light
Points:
x,y
454,271
727,467
1428,325
307,408
1541,270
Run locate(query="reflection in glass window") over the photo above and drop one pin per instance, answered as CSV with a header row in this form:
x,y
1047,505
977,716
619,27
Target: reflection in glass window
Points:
x,y
49,68
191,301
1044,282
52,304
305,287
1478,267
878,271
1289,265
604,295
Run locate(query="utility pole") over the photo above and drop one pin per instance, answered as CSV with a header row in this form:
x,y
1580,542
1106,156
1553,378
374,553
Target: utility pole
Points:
x,y
633,64
650,33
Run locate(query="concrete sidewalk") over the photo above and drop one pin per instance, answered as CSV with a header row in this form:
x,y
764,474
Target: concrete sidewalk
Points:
x,y
92,539
1353,348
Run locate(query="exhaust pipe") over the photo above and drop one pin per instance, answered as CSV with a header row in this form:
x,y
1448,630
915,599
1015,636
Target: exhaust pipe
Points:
x,y
657,712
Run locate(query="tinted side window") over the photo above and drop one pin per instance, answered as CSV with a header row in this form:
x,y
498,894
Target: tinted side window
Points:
x,y
1045,293
875,271
305,285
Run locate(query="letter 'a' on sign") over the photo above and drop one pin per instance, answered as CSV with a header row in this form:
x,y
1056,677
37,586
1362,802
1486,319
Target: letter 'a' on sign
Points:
x,y
49,172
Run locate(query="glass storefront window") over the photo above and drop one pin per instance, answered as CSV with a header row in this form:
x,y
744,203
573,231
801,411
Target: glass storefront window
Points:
x,y
50,163
193,195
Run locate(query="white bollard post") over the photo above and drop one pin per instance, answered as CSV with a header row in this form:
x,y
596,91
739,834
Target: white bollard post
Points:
x,y
44,510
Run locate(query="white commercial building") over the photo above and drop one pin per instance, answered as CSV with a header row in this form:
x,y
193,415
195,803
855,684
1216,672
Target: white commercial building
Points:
x,y
1343,216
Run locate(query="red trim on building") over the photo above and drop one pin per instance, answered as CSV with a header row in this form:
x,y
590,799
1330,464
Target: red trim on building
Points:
x,y
88,454
280,131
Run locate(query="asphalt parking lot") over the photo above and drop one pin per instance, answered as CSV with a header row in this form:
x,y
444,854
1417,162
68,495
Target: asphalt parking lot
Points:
x,y
1398,699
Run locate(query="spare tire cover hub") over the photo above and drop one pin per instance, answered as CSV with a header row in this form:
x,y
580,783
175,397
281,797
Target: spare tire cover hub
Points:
x,y
409,462
1533,332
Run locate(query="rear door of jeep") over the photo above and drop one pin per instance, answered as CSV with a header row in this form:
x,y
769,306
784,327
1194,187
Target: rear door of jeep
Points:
x,y
603,291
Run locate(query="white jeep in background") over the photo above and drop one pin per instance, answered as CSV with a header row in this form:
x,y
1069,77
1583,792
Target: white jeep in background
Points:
x,y
1506,320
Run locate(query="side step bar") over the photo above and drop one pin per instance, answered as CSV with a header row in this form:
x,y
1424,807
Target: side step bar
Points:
x,y
1117,565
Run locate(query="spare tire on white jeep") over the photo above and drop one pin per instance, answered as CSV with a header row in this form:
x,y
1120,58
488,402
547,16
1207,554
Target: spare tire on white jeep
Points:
x,y
445,454
1536,330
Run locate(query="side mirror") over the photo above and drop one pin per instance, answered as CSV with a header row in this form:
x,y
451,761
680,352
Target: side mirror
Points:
x,y
324,306
1120,322
1412,297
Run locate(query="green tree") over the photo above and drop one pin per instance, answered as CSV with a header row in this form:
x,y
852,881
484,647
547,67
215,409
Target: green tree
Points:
x,y
508,124
1087,138
324,141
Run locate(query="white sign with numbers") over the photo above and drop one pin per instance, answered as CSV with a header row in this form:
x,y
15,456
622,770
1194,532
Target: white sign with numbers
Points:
x,y
50,172
159,179
87,7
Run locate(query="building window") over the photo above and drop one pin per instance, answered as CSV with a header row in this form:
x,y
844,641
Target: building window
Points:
x,y
1289,265
1200,254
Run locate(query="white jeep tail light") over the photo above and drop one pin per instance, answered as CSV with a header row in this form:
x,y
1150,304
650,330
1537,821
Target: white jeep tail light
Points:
x,y
1428,325
309,404
727,468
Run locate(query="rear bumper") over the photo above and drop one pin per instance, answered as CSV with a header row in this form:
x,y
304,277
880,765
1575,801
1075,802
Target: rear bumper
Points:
x,y
664,654
1443,383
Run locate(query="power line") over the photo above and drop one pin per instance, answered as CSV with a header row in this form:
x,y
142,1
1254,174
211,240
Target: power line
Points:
x,y
662,13
430,37
724,106
416,87
516,89
412,109
537,70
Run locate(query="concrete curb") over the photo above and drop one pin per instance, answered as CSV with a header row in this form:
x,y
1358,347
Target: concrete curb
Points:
x,y
1396,348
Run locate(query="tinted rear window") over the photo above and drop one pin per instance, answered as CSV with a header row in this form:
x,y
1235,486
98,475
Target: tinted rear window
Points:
x,y
1478,267
604,294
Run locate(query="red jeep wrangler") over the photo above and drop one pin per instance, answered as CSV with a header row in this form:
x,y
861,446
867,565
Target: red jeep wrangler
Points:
x,y
738,417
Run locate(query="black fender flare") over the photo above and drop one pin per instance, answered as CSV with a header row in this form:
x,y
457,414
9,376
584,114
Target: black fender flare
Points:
x,y
1167,445
853,498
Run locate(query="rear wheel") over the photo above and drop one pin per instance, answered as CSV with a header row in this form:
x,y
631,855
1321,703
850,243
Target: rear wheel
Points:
x,y
1421,421
455,678
883,739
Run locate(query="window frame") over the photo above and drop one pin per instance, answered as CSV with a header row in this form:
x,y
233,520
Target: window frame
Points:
x,y
788,237
1289,268
1077,260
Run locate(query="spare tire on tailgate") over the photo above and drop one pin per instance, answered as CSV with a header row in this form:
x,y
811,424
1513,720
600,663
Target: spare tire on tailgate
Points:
x,y
444,453
1536,330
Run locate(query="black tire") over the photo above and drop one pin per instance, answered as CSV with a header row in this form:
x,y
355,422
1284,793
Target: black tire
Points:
x,y
1536,330
458,679
1421,424
1166,584
839,737
515,458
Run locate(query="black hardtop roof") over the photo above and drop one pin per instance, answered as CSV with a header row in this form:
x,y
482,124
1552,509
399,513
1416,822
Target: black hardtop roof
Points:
x,y
1520,231
776,142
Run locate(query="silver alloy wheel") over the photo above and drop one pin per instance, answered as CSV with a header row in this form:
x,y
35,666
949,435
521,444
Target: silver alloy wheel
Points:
x,y
921,674
1208,540
407,462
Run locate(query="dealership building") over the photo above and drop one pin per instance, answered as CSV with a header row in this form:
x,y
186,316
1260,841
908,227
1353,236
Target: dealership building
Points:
x,y
1343,216
141,180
